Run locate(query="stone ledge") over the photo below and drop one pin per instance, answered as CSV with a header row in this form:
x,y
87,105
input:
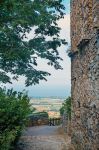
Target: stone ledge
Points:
x,y
83,43
72,54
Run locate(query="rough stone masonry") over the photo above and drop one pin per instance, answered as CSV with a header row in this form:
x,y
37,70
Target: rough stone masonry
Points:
x,y
85,74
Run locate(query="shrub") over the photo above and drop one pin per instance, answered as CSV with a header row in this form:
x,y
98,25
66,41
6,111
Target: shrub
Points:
x,y
14,109
42,114
66,107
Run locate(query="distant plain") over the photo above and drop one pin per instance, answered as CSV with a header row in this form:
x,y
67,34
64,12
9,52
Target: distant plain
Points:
x,y
50,105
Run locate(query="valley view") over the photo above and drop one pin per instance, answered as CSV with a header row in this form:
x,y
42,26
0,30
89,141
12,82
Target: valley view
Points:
x,y
49,105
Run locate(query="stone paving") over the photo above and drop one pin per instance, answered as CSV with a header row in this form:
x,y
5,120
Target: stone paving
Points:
x,y
48,139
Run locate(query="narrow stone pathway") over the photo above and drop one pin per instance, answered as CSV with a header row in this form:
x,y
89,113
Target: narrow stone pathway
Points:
x,y
44,138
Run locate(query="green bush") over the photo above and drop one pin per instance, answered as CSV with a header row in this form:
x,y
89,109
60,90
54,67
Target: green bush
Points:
x,y
42,114
66,107
14,109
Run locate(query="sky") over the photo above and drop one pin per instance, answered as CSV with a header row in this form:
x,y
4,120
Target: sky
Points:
x,y
59,83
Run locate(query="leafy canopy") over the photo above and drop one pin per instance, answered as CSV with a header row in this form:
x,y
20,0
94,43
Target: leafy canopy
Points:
x,y
18,54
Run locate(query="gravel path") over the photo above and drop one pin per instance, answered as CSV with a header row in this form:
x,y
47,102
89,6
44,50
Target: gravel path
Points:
x,y
44,138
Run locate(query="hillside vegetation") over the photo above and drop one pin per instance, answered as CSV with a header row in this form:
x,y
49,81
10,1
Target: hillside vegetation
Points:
x,y
14,109
66,108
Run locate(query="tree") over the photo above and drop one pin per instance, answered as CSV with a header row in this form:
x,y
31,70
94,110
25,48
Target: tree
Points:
x,y
66,107
18,55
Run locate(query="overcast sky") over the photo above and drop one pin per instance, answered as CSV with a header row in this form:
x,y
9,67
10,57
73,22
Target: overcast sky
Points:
x,y
58,83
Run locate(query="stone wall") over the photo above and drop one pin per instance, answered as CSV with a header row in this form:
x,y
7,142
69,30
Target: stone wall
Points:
x,y
66,124
85,74
84,17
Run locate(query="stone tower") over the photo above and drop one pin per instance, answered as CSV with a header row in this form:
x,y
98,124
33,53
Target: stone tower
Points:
x,y
85,74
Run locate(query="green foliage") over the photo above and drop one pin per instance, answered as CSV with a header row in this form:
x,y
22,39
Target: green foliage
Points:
x,y
66,107
14,109
18,54
42,114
